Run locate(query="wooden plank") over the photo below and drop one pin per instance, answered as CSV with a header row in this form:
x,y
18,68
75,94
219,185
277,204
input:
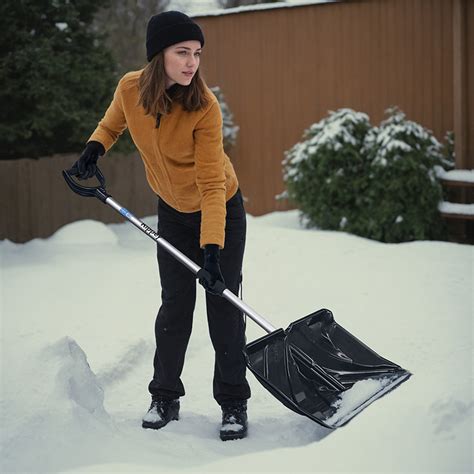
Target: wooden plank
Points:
x,y
463,217
446,76
11,206
459,82
436,66
426,61
470,84
457,184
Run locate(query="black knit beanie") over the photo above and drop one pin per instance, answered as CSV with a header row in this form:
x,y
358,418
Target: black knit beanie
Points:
x,y
169,28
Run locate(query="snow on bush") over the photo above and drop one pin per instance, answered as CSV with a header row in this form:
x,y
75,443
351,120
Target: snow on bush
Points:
x,y
449,149
325,174
229,130
376,182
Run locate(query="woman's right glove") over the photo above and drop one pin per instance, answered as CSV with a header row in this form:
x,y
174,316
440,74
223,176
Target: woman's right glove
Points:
x,y
210,275
86,166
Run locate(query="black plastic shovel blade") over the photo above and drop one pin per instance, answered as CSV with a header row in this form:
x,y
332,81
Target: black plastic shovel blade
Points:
x,y
318,369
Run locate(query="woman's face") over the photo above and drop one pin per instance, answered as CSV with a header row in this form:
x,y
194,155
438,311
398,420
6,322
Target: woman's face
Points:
x,y
180,59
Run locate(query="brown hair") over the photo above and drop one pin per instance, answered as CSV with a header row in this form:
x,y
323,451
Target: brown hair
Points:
x,y
156,100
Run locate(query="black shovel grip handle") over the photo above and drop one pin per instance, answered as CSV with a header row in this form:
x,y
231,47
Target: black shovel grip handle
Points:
x,y
86,191
219,286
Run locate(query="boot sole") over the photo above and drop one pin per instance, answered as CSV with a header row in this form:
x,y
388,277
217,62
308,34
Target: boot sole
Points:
x,y
157,426
229,435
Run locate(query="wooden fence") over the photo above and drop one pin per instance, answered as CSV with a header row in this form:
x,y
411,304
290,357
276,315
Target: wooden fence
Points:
x,y
282,69
36,200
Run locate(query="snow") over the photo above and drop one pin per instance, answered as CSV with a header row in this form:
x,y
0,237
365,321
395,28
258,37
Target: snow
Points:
x,y
336,128
192,7
152,415
466,176
387,138
360,395
359,392
199,11
77,340
330,133
455,208
232,426
84,232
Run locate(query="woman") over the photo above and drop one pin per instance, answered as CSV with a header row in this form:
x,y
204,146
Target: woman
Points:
x,y
176,124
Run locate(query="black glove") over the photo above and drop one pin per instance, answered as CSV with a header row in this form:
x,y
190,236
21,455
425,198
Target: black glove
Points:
x,y
210,275
86,166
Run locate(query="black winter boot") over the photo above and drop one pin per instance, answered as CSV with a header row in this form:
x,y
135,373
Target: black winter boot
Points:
x,y
234,420
160,413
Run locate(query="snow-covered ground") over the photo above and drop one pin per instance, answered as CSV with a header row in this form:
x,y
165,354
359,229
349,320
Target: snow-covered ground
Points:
x,y
77,343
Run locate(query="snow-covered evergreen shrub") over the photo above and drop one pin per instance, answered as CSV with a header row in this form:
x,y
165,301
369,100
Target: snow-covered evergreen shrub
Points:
x,y
229,130
326,174
404,193
448,148
376,182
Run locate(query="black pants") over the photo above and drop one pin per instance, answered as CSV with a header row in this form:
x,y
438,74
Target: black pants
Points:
x,y
178,298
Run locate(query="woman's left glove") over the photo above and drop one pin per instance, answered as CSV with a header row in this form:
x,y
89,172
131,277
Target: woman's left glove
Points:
x,y
210,275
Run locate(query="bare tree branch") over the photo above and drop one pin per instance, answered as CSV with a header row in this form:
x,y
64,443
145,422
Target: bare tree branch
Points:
x,y
124,22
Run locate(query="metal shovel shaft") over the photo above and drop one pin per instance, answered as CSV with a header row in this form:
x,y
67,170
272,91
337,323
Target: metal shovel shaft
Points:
x,y
227,294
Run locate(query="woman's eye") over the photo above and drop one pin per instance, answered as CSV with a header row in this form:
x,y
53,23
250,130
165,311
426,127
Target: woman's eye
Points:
x,y
184,52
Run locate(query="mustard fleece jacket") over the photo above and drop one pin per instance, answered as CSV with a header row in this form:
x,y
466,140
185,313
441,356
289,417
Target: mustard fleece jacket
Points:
x,y
184,158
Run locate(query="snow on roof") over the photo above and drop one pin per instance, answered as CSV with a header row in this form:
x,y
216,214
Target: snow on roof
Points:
x,y
262,6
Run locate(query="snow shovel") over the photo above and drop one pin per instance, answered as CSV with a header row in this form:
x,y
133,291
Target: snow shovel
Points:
x,y
314,367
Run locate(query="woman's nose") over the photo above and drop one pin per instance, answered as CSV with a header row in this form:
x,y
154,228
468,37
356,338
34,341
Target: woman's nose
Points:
x,y
191,61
